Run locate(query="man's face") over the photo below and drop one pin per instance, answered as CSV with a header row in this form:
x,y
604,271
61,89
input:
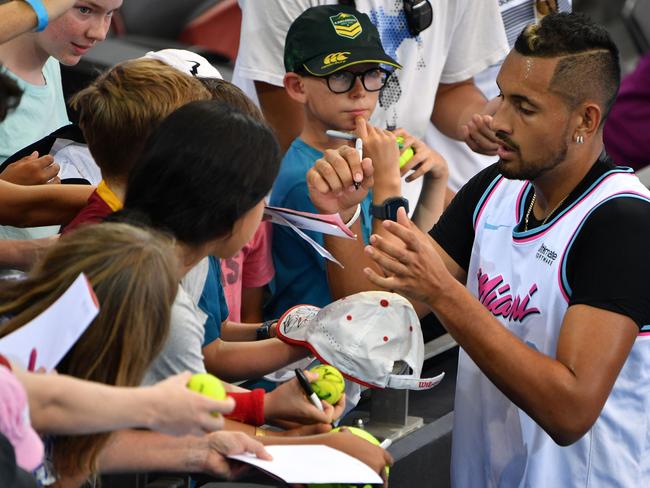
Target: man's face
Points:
x,y
338,110
70,36
532,122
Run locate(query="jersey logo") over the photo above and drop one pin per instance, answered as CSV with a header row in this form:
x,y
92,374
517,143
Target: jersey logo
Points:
x,y
335,58
546,255
495,295
346,25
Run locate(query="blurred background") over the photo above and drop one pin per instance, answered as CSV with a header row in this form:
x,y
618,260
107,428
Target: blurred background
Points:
x,y
211,27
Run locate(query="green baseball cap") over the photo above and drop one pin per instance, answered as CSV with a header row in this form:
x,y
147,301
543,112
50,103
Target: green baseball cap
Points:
x,y
328,38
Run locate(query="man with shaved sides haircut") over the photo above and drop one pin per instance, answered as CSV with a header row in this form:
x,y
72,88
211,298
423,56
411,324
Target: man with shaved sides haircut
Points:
x,y
538,269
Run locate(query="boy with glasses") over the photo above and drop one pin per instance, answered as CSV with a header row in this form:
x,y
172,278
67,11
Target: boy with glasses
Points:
x,y
336,67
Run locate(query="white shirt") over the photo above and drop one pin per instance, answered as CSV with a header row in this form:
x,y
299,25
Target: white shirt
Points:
x,y
466,37
518,276
463,162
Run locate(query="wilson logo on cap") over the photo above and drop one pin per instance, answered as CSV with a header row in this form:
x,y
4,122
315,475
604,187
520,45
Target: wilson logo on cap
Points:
x,y
334,58
346,25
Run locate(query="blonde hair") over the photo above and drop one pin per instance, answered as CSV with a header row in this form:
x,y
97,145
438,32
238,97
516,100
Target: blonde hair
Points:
x,y
134,273
119,110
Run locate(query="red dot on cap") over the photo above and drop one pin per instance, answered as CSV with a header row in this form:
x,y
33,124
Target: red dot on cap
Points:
x,y
385,338
410,328
349,317
383,303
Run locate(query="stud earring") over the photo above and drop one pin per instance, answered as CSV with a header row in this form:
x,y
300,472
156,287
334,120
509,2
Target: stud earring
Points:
x,y
580,139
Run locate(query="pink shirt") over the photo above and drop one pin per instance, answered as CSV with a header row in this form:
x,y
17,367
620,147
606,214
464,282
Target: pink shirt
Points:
x,y
252,267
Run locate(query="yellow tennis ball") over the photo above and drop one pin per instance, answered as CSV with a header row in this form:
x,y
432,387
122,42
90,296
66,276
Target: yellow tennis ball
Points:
x,y
208,385
330,384
364,434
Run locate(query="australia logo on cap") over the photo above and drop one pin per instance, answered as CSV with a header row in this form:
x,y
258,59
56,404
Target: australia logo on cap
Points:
x,y
346,25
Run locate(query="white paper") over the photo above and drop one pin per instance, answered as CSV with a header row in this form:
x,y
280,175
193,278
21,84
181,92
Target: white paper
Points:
x,y
52,333
319,249
312,464
326,224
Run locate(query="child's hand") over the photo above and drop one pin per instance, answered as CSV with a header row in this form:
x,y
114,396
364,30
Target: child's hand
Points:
x,y
425,161
331,181
381,147
288,402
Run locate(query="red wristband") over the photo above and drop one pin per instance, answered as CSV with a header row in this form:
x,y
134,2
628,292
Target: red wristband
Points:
x,y
249,407
4,362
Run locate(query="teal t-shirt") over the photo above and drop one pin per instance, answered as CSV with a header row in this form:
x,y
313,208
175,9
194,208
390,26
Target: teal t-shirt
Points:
x,y
300,273
213,302
41,111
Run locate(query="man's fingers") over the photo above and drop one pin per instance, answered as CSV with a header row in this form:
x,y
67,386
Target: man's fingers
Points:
x,y
387,283
389,263
210,423
257,448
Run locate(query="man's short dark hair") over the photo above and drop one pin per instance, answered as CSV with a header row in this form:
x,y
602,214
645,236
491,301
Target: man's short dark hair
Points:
x,y
10,95
589,65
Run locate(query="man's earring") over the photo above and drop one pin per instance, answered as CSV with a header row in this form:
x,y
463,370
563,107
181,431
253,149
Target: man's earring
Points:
x,y
580,139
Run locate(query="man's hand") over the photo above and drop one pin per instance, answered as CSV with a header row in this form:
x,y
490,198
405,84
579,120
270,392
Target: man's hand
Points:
x,y
411,265
214,447
179,410
32,170
425,161
374,456
289,402
331,181
478,133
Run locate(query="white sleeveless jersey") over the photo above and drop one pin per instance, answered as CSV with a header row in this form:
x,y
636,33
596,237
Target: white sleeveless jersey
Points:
x,y
520,278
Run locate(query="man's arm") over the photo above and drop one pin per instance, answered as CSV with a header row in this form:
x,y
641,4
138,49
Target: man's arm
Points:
x,y
236,361
284,115
21,254
565,394
61,404
455,105
137,450
28,206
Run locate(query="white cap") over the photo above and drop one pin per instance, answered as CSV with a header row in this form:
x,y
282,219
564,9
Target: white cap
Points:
x,y
186,61
363,335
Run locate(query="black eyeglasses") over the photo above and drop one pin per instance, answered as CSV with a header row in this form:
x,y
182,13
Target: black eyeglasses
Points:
x,y
372,80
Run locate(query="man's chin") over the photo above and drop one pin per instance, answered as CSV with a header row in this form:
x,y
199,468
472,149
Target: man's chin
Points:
x,y
508,170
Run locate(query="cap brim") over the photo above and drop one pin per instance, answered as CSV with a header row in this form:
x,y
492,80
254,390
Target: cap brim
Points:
x,y
317,67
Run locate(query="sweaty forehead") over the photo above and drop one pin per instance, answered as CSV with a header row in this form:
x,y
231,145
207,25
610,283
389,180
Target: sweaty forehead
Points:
x,y
526,73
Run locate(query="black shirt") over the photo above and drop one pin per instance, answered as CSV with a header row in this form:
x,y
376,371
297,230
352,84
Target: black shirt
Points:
x,y
609,261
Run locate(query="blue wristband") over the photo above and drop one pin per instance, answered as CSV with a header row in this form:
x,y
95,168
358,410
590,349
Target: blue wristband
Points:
x,y
41,13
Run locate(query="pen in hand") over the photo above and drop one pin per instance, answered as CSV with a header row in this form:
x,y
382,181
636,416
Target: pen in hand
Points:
x,y
306,387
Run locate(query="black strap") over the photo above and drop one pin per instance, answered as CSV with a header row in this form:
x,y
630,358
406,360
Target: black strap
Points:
x,y
350,3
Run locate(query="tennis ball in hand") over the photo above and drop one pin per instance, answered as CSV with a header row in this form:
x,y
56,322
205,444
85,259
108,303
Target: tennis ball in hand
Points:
x,y
364,434
330,384
208,385
407,155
